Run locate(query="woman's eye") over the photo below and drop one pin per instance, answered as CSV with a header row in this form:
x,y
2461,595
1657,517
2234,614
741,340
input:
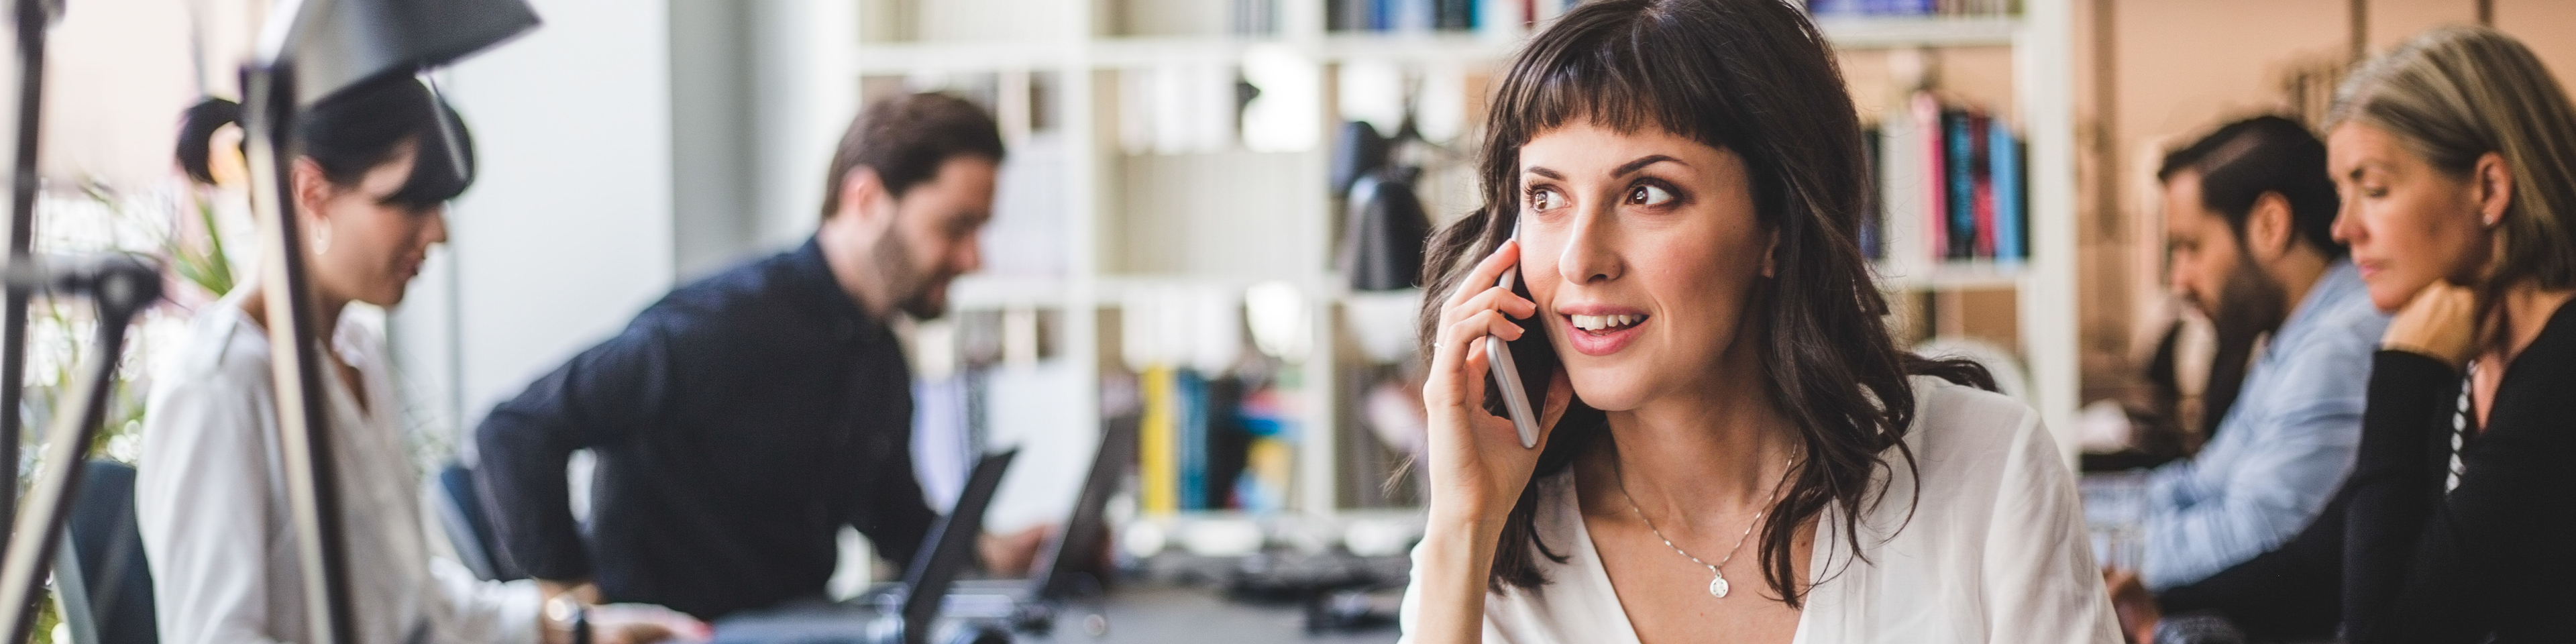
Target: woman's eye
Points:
x,y
1545,200
1649,196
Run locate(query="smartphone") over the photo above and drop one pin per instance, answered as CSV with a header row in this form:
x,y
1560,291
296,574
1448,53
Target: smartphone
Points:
x,y
1521,368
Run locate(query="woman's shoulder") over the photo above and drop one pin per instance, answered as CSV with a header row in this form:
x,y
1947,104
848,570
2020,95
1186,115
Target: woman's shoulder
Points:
x,y
1971,449
211,395
1952,419
222,350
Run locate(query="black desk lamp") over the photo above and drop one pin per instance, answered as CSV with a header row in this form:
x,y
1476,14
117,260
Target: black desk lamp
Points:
x,y
330,45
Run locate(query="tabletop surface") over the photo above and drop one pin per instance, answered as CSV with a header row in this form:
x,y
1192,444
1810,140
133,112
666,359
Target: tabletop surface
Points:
x,y
1134,613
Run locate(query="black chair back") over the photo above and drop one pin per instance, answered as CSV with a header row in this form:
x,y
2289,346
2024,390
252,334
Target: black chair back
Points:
x,y
105,584
460,513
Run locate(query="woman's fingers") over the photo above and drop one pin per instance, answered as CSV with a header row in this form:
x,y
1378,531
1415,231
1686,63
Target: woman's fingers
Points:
x,y
1487,272
1459,363
1465,333
1502,299
2440,322
1491,299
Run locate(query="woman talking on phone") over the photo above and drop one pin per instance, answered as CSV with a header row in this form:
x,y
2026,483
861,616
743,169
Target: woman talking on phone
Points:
x,y
1731,448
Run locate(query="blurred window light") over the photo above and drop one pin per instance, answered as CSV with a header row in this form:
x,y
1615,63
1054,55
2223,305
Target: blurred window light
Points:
x,y
1287,114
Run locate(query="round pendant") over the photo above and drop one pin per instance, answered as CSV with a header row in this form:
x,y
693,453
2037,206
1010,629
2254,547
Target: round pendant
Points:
x,y
1717,586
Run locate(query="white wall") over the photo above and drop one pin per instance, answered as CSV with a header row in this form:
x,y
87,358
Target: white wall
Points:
x,y
117,74
805,92
568,229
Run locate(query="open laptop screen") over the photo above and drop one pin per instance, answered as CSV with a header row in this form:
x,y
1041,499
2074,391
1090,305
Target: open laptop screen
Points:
x,y
950,547
1077,544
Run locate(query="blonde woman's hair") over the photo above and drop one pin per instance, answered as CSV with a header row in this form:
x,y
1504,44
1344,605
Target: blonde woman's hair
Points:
x,y
2453,94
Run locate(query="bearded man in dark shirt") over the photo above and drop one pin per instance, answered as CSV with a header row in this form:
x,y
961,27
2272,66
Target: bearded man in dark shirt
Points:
x,y
744,419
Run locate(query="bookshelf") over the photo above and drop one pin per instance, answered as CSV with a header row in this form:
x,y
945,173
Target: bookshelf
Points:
x,y
1129,221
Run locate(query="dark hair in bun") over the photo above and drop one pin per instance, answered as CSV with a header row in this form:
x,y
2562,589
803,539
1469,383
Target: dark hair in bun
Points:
x,y
355,130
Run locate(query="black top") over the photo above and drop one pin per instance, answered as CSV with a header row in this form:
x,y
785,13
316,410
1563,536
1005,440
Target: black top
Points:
x,y
2491,558
738,423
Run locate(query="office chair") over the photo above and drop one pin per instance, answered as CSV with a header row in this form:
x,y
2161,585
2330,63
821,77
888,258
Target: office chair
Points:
x,y
104,583
460,513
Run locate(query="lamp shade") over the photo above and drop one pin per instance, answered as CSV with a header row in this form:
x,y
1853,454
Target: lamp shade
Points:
x,y
1384,232
339,43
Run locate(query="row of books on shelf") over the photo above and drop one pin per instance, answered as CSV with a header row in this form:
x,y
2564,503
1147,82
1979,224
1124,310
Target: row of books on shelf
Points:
x,y
1221,443
1957,173
1960,8
1261,17
1429,15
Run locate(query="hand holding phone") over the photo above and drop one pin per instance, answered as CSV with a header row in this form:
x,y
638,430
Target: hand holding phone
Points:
x,y
1480,451
1510,379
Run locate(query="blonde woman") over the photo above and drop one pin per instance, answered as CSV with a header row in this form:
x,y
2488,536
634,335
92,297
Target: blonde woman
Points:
x,y
2453,155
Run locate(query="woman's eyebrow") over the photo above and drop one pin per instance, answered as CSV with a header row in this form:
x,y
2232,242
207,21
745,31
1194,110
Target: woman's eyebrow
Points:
x,y
1544,172
1632,167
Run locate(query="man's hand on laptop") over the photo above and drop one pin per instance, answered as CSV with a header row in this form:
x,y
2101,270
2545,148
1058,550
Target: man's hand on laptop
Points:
x,y
1010,554
612,623
581,589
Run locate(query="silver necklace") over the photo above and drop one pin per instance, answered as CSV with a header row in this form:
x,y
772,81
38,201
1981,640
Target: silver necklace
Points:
x,y
1717,585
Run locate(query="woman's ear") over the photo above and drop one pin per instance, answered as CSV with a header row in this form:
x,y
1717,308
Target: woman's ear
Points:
x,y
1770,252
2494,188
311,188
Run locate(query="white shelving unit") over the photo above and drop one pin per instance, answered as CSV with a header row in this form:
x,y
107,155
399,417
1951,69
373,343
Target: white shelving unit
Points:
x,y
1100,203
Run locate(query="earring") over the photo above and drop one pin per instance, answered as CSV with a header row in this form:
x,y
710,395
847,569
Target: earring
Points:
x,y
321,240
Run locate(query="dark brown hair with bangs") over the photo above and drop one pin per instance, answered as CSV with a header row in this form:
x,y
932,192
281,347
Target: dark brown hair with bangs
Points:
x,y
1754,77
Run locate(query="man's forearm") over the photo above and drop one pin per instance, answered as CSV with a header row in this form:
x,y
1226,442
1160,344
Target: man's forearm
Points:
x,y
527,498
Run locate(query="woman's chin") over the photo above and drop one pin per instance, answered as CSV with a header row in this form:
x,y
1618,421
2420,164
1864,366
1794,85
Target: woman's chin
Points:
x,y
2388,293
1608,391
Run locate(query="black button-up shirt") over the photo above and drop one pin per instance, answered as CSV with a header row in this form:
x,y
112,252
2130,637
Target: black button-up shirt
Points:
x,y
738,423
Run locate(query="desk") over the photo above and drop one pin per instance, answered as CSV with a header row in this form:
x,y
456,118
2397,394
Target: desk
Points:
x,y
1137,613
1143,614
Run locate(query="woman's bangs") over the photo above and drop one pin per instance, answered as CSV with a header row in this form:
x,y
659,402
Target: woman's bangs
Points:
x,y
1612,85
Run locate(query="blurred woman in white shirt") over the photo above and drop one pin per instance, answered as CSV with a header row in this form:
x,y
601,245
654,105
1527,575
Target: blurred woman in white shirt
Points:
x,y
1734,449
377,166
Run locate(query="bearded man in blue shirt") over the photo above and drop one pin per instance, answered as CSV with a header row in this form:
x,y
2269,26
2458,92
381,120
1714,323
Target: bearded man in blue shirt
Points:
x,y
2248,214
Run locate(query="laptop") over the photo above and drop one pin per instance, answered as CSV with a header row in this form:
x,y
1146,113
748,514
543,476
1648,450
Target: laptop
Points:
x,y
1064,565
949,549
1061,567
905,613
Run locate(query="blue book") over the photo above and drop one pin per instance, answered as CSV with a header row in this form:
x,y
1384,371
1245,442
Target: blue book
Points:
x,y
1190,396
1873,219
2003,150
1961,183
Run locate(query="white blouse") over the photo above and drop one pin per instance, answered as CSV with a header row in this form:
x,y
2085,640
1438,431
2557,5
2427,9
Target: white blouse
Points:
x,y
210,497
1994,549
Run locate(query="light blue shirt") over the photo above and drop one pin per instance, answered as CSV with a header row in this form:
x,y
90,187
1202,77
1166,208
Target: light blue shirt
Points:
x,y
2280,451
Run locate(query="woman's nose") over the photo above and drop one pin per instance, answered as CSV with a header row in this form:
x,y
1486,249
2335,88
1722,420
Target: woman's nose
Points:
x,y
1589,256
434,231
2346,227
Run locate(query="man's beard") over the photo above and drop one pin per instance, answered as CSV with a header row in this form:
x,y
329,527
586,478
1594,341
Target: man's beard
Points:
x,y
916,292
2249,305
